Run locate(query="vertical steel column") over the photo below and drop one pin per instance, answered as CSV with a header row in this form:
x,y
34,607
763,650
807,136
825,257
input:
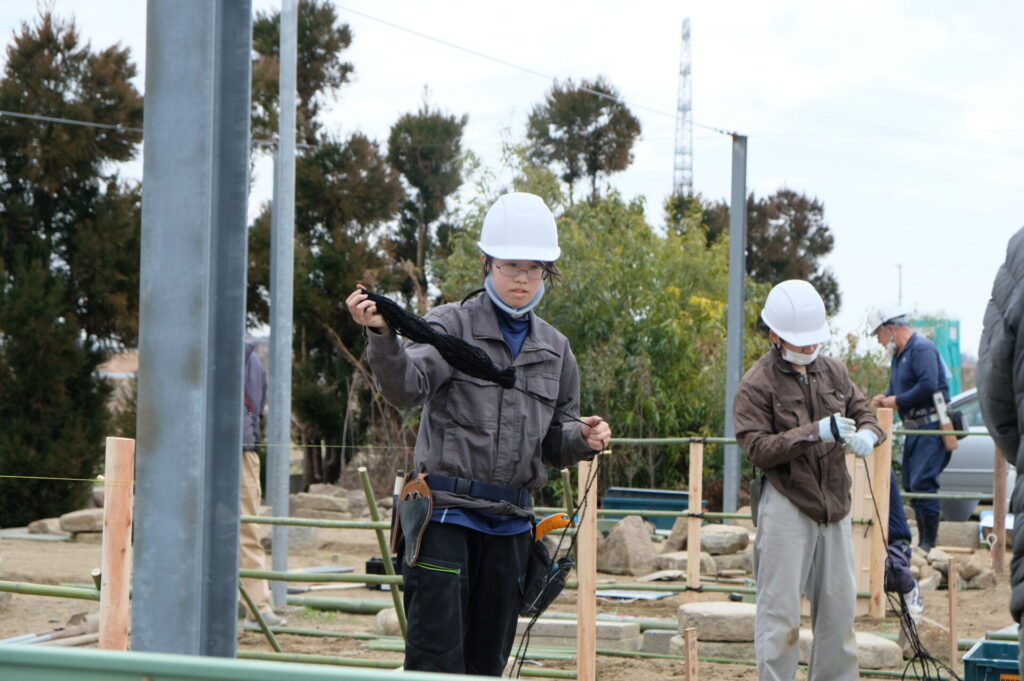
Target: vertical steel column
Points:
x,y
192,322
282,250
734,315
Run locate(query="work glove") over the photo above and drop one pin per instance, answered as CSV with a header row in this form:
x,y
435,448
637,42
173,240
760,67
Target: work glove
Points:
x,y
846,427
862,442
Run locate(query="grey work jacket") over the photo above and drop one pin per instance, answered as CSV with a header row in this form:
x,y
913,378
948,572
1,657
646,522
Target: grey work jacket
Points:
x,y
776,412
476,429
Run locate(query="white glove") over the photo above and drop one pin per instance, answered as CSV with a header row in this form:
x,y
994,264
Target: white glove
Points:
x,y
862,442
847,427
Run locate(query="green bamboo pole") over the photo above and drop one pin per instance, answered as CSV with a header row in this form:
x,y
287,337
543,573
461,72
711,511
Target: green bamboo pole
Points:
x,y
30,589
385,549
313,522
259,619
646,623
321,633
347,577
319,659
352,606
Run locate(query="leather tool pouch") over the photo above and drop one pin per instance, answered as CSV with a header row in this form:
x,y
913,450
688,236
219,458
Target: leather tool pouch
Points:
x,y
414,509
545,579
396,518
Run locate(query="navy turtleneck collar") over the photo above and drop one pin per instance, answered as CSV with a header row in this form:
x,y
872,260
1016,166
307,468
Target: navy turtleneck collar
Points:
x,y
513,329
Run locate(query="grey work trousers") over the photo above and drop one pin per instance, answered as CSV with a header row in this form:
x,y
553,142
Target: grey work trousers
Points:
x,y
795,556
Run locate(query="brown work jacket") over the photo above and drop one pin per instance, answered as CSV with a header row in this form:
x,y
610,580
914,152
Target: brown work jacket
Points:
x,y
776,412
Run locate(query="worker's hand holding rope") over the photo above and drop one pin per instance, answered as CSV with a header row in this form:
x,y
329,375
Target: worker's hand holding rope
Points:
x,y
364,311
596,432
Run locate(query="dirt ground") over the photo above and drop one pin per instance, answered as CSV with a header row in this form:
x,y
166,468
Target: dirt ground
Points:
x,y
71,562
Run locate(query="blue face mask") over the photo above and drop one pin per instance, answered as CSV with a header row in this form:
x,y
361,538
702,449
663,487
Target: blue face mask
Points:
x,y
516,312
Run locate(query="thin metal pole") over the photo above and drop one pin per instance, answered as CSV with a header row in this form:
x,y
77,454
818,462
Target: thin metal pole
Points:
x,y
734,315
282,260
192,322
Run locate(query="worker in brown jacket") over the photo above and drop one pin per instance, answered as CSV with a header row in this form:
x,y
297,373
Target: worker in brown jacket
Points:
x,y
796,415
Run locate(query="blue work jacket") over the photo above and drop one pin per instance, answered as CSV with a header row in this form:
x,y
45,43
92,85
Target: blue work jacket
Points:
x,y
916,373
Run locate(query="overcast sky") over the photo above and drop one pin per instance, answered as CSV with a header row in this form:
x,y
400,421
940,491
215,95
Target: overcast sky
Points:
x,y
903,118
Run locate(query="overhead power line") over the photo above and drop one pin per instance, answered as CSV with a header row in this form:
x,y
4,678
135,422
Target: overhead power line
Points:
x,y
519,67
69,121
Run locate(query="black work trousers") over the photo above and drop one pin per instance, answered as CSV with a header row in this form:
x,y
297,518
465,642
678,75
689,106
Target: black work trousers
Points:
x,y
462,600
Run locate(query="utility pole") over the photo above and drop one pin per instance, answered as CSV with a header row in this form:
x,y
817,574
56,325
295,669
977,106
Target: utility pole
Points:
x,y
734,315
682,177
191,326
282,277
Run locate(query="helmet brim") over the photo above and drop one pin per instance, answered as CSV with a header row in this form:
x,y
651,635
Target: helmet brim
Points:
x,y
521,252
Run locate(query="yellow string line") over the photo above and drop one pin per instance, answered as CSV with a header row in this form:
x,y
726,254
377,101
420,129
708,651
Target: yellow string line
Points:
x,y
98,478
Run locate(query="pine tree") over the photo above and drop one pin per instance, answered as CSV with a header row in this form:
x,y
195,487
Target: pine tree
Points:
x,y
586,131
69,234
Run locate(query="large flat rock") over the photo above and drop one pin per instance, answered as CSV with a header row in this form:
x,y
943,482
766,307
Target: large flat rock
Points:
x,y
719,620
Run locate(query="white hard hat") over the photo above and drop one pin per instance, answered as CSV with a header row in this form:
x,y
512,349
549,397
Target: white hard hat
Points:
x,y
883,314
520,227
795,311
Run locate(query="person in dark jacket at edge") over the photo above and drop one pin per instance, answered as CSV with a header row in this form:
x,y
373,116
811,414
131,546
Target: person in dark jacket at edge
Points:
x,y
916,374
1001,395
796,414
481,447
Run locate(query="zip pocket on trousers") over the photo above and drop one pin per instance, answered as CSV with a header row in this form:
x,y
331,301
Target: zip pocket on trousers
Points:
x,y
438,568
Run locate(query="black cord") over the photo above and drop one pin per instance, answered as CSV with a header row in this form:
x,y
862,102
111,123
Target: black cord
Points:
x,y
578,512
923,664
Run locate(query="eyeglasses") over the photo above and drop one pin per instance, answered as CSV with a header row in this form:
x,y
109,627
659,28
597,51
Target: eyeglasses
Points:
x,y
531,272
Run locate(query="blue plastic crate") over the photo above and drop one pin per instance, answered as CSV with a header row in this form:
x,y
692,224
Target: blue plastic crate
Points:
x,y
992,661
639,499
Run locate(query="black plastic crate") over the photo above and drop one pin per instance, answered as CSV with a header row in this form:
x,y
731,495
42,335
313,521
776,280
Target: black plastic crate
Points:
x,y
375,566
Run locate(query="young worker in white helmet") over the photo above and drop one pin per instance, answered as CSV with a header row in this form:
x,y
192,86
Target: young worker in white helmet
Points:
x,y
917,375
481,447
796,414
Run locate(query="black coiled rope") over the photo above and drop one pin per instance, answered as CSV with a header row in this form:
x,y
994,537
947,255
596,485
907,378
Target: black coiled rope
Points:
x,y
466,357
460,354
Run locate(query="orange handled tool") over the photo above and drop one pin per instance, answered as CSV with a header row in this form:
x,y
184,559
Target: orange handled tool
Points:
x,y
555,521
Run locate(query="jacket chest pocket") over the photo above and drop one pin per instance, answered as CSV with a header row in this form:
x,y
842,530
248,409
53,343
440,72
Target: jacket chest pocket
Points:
x,y
790,412
540,405
472,402
833,401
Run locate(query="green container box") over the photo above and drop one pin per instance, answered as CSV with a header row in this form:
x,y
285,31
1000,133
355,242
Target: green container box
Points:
x,y
640,499
992,661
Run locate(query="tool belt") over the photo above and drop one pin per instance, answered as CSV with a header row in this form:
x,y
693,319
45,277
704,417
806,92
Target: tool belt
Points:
x,y
921,421
516,496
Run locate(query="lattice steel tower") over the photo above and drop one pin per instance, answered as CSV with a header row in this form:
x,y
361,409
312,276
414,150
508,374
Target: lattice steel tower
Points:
x,y
682,177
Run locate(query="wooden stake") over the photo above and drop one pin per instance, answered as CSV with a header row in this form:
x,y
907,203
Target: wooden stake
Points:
x,y
999,514
690,654
880,461
695,505
116,561
952,583
586,574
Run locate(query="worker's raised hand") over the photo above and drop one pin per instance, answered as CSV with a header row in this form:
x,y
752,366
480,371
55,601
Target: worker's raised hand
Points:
x,y
845,427
596,431
862,442
364,311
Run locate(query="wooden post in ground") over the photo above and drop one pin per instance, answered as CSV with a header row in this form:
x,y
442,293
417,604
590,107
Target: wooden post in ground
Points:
x,y
952,583
116,561
694,505
586,573
880,461
690,654
999,513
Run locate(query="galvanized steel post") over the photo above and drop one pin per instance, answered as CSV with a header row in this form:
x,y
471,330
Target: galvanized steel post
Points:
x,y
282,256
734,315
192,323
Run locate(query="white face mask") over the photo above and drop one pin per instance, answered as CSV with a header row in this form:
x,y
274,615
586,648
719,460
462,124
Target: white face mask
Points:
x,y
799,357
